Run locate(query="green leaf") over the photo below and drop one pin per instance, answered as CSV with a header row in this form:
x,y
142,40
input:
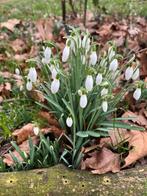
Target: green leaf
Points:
x,y
82,134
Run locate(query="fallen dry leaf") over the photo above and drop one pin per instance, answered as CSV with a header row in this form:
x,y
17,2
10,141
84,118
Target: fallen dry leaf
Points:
x,y
10,24
102,162
23,147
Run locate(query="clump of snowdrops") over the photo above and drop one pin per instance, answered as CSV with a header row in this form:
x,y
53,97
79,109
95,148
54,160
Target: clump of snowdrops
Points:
x,y
80,88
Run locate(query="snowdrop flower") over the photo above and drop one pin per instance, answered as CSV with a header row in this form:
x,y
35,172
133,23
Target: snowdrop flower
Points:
x,y
69,121
65,54
17,71
55,85
99,79
89,83
84,42
83,101
72,46
128,73
135,74
105,106
111,54
113,65
29,85
93,58
54,73
32,75
47,55
104,91
137,94
36,130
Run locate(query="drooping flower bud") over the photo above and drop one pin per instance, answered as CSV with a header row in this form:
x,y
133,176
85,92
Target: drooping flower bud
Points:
x,y
17,71
113,65
137,94
136,74
89,83
93,58
104,91
65,54
55,85
128,73
29,85
54,73
69,121
36,130
105,106
99,79
47,55
32,75
83,101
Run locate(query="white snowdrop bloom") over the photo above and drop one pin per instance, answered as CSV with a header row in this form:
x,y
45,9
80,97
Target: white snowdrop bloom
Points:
x,y
54,73
113,65
137,94
36,130
29,85
65,54
89,83
105,106
32,75
104,91
47,55
111,54
93,58
83,101
69,121
128,73
99,79
88,45
72,46
84,41
17,71
136,74
55,85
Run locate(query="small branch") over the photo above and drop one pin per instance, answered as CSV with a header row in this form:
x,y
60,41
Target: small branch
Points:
x,y
63,4
73,8
85,12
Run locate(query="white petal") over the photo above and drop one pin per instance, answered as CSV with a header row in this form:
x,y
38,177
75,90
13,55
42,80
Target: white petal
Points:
x,y
136,74
36,130
99,79
54,73
55,85
32,75
137,94
83,101
84,42
113,65
93,58
104,91
17,71
89,83
47,55
69,121
29,86
65,54
128,73
105,106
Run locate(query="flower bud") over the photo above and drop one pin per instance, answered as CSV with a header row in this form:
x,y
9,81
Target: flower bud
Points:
x,y
69,122
32,75
136,74
65,54
36,130
55,85
89,83
113,65
17,71
99,79
47,55
83,101
29,85
128,73
137,94
104,91
93,58
54,73
105,106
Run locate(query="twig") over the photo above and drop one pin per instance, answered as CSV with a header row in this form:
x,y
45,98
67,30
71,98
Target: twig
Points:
x,y
85,11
